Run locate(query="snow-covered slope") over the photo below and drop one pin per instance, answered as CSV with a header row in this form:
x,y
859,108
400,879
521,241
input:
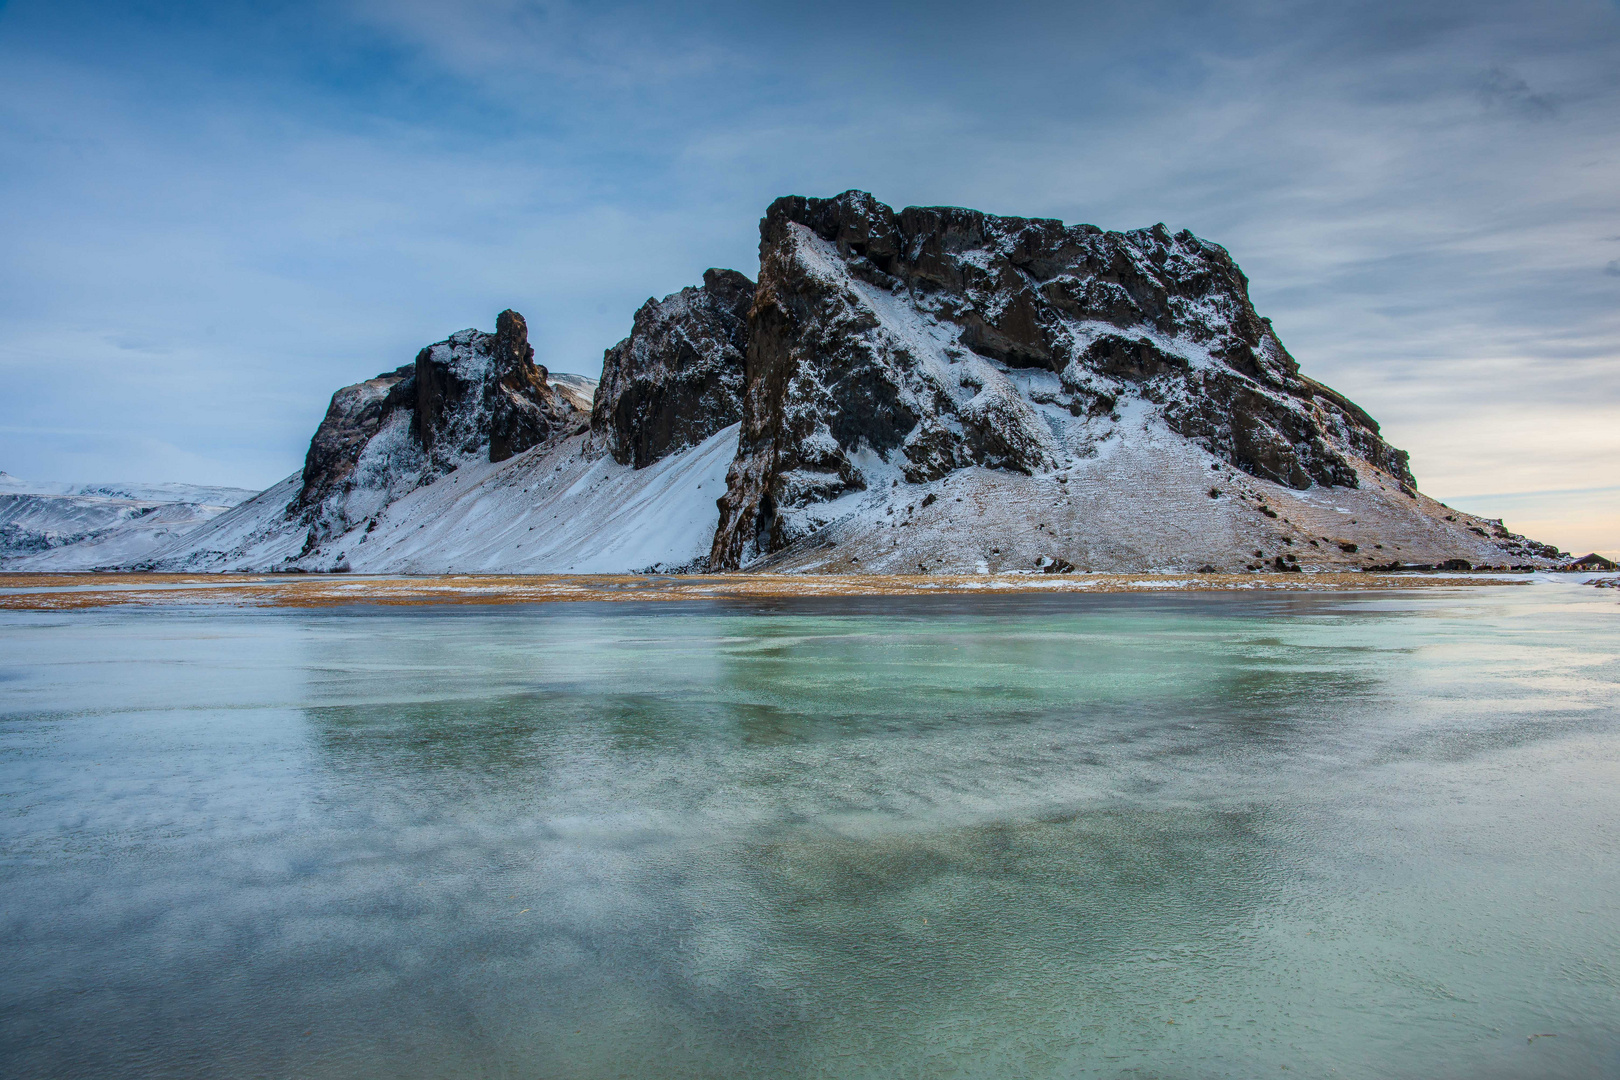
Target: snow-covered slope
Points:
x,y
405,473
552,509
264,533
62,526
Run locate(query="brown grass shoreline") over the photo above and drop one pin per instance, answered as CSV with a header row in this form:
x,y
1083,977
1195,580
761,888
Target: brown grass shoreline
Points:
x,y
66,592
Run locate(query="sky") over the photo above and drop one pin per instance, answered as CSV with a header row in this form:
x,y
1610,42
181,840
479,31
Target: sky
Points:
x,y
213,215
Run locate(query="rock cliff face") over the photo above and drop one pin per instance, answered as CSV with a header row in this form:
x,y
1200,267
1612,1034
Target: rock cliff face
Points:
x,y
353,418
940,339
930,390
678,378
472,396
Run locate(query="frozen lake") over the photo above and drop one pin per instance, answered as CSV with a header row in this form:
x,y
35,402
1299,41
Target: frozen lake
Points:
x,y
1358,835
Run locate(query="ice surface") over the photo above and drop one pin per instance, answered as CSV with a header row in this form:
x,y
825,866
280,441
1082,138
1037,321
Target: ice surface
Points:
x,y
1360,836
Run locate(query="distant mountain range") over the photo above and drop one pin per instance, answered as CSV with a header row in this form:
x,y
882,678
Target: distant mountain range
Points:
x,y
79,526
936,389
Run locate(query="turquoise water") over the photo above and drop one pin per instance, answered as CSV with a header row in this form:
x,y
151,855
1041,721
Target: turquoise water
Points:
x,y
1357,835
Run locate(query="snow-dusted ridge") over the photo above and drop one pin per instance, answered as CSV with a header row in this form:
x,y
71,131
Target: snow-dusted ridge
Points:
x,y
933,390
82,526
940,389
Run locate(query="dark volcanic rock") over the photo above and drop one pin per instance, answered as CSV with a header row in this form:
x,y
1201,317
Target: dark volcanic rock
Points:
x,y
941,338
483,392
523,410
473,395
356,413
678,377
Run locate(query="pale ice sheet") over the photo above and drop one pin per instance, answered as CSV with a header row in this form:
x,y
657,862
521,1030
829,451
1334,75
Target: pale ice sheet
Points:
x,y
1364,836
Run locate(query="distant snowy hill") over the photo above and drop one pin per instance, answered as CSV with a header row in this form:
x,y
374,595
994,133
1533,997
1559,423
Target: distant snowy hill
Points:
x,y
66,526
580,390
934,389
201,494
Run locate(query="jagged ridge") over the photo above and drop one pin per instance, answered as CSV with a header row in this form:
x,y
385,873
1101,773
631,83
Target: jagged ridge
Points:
x,y
933,389
955,301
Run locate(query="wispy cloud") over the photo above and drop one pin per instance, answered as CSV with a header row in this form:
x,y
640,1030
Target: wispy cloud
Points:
x,y
277,200
1501,88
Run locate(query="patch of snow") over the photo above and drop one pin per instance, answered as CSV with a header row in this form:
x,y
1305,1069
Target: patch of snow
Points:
x,y
550,510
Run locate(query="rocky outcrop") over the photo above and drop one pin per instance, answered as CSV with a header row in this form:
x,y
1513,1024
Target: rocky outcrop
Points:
x,y
355,414
473,396
934,390
483,393
678,378
939,339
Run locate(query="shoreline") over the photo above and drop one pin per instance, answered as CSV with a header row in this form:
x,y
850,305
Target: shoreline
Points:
x,y
74,591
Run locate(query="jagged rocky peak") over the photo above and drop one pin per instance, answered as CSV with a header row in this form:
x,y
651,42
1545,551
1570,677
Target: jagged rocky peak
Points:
x,y
937,339
478,392
678,378
469,397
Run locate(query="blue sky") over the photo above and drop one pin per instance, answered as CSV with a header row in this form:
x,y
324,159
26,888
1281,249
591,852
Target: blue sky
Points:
x,y
216,214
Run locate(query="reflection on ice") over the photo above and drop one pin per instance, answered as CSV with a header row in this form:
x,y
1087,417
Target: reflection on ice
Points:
x,y
1059,837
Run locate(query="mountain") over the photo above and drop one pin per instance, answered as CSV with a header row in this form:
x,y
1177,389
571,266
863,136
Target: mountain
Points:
x,y
470,459
58,526
934,389
942,389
